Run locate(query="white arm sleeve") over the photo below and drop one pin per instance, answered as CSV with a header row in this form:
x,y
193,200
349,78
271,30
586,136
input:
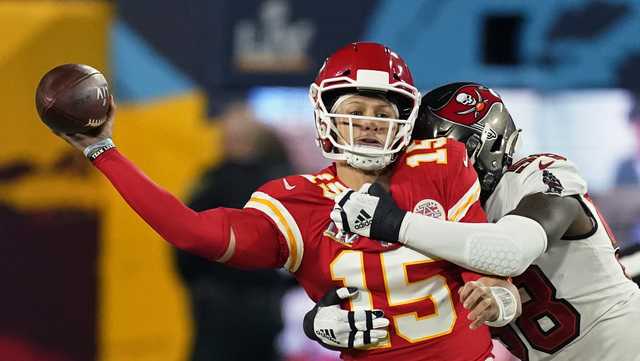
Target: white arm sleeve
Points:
x,y
505,248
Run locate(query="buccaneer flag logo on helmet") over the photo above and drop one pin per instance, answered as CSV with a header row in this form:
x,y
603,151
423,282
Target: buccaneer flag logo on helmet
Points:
x,y
476,105
470,104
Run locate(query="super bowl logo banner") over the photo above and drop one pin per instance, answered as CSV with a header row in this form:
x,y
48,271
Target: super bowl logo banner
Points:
x,y
274,42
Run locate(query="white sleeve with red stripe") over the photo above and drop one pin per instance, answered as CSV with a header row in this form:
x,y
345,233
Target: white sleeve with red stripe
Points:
x,y
559,177
539,173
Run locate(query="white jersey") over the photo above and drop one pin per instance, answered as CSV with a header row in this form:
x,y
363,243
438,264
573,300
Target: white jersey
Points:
x,y
572,286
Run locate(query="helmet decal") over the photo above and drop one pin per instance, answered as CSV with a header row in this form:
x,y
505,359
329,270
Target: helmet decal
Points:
x,y
468,104
476,116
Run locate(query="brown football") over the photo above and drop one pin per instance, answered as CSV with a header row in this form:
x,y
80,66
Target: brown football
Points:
x,y
73,98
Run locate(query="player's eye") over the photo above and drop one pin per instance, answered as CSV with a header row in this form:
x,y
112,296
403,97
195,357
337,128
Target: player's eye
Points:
x,y
355,112
383,115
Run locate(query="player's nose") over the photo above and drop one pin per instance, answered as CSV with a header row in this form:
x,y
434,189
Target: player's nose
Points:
x,y
369,124
372,125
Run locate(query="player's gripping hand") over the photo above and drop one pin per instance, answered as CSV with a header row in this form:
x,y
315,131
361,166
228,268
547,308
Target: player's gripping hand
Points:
x,y
369,212
493,306
335,328
84,142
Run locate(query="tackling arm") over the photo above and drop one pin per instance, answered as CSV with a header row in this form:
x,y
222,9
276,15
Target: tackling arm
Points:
x,y
546,193
555,214
505,248
522,234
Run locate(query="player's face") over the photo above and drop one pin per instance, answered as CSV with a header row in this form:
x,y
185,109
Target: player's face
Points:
x,y
370,131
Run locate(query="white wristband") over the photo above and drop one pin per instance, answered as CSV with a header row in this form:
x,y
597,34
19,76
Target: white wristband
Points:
x,y
507,306
96,149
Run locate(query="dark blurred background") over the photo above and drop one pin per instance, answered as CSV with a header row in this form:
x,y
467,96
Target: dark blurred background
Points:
x,y
84,279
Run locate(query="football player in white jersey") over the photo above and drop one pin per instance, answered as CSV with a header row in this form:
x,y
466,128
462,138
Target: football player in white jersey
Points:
x,y
578,303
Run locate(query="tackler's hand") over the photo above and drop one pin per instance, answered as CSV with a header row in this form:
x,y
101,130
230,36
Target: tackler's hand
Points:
x,y
370,212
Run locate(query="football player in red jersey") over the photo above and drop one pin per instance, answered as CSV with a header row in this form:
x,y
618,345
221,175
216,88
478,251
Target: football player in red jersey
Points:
x,y
365,106
577,302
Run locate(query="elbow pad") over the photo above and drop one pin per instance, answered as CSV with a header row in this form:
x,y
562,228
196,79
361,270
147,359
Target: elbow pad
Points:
x,y
505,248
509,251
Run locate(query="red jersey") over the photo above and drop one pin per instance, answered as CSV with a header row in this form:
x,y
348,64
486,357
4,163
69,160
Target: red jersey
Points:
x,y
418,294
286,223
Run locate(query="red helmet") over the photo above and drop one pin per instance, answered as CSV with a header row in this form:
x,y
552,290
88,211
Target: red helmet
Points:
x,y
368,69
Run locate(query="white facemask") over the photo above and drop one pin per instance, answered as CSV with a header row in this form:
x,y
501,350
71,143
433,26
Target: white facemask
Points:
x,y
361,156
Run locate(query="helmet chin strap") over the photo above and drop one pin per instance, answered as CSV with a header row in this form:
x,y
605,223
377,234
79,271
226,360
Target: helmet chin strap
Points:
x,y
367,162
